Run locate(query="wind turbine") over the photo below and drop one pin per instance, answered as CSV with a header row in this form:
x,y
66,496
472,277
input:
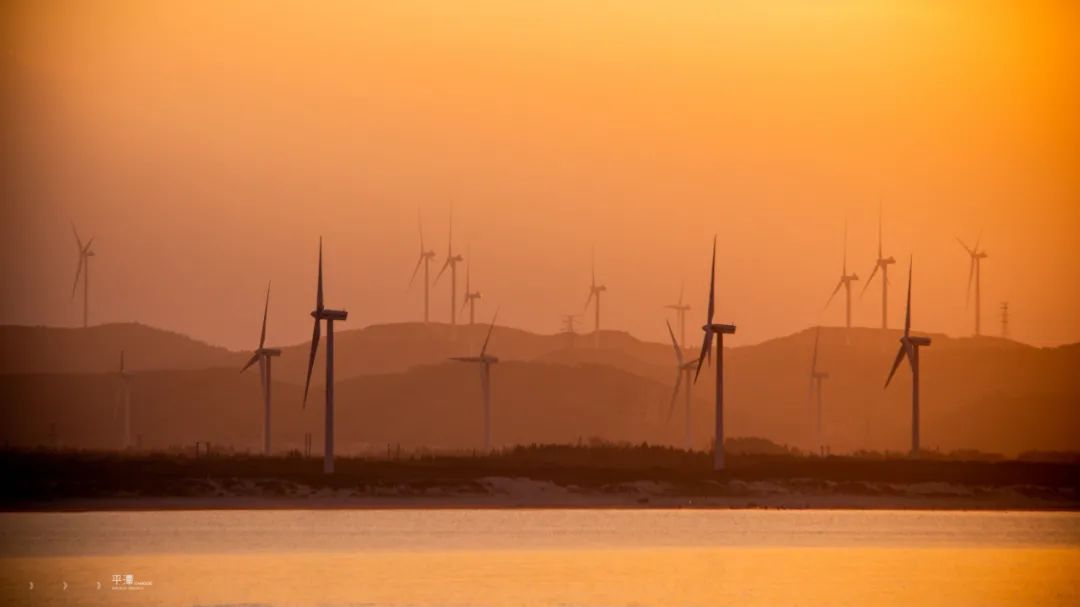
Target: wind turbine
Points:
x,y
845,282
264,356
451,262
909,348
470,296
882,264
485,361
594,292
125,400
816,378
83,270
683,370
680,312
975,271
322,313
425,260
718,330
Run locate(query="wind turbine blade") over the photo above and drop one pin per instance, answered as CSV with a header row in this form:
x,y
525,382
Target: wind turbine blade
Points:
x,y
468,268
675,392
682,288
845,247
706,352
907,316
835,291
966,248
483,350
78,273
89,243
251,361
266,311
588,300
445,265
978,240
420,228
78,241
311,358
450,237
813,360
319,292
419,262
879,254
866,285
971,274
900,354
675,344
712,284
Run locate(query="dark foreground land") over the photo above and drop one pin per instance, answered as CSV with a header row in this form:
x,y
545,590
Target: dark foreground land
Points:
x,y
536,476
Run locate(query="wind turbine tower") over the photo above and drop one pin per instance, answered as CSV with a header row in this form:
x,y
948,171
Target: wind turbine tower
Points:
x,y
683,372
470,296
718,330
816,379
485,361
595,290
882,264
425,260
321,313
909,348
680,312
452,261
975,271
264,356
845,283
83,270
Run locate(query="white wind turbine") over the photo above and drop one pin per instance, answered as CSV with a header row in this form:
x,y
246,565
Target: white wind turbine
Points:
x,y
816,379
485,361
680,311
425,260
683,373
321,313
83,270
264,356
595,290
882,263
471,297
975,271
909,348
718,331
452,261
845,283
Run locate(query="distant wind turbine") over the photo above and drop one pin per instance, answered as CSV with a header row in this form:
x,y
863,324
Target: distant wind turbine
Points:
x,y
683,371
451,262
680,311
470,296
845,283
718,330
882,264
425,260
83,270
594,293
125,400
909,348
816,379
975,271
485,361
264,356
321,313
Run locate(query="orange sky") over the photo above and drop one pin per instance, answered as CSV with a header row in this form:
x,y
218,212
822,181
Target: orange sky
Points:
x,y
207,145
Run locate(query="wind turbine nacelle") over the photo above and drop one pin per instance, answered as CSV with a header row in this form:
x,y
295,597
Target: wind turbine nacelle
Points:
x,y
919,341
887,261
270,351
727,329
326,314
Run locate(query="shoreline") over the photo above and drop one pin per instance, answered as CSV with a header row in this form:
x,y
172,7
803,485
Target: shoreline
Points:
x,y
518,493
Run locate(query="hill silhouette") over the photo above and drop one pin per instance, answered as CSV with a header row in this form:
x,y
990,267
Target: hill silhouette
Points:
x,y
396,387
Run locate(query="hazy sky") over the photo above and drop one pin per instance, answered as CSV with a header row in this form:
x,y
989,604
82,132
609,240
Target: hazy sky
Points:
x,y
207,145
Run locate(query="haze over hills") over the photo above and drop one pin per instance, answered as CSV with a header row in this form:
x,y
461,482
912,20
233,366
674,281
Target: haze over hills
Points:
x,y
395,386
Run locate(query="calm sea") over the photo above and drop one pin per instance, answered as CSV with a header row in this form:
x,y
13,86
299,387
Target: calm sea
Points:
x,y
540,557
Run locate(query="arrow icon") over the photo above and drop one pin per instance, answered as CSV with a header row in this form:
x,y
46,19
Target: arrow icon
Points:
x,y
98,585
31,585
65,585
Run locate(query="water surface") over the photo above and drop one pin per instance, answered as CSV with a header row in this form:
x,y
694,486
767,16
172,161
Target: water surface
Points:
x,y
541,557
